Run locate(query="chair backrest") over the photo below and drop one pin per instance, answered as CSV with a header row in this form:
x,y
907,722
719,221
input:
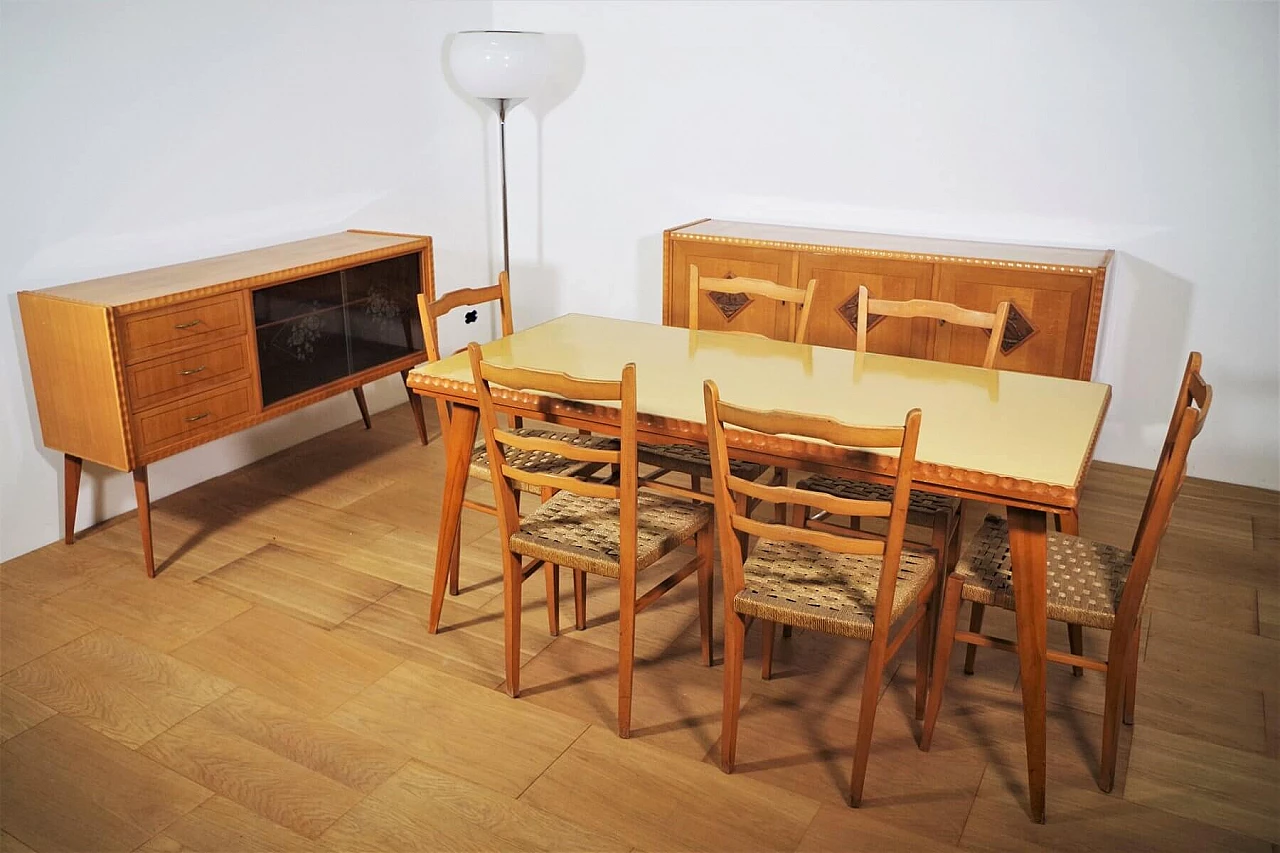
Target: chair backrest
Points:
x,y
729,517
929,308
1189,412
431,309
797,301
497,439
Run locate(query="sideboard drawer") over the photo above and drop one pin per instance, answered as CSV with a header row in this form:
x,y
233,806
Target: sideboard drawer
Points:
x,y
168,378
191,324
192,417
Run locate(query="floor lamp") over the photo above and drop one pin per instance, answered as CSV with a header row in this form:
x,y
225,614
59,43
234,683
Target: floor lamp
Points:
x,y
501,68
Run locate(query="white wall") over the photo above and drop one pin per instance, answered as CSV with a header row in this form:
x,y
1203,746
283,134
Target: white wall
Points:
x,y
134,134
1148,128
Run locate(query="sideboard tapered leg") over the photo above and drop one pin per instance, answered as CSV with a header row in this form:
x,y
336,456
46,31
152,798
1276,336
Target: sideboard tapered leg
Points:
x,y
72,466
143,493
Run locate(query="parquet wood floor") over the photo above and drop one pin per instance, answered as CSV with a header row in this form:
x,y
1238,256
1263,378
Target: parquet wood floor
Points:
x,y
274,688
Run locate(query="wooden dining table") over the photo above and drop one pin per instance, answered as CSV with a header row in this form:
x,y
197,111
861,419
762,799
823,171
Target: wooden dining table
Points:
x,y
1018,440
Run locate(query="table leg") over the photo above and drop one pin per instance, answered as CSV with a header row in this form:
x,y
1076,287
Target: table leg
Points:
x,y
461,438
1027,544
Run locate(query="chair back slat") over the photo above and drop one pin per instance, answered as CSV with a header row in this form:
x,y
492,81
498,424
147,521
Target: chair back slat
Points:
x,y
553,382
818,538
994,321
779,422
796,300
731,517
1194,398
558,482
817,500
560,448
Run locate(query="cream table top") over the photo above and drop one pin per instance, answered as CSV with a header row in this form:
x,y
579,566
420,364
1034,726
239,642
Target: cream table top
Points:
x,y
982,431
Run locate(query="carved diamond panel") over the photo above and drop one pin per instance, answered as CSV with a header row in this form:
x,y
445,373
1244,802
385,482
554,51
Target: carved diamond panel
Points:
x,y
848,311
729,304
1017,331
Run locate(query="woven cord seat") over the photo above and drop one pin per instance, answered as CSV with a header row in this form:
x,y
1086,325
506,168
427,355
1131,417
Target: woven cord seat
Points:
x,y
797,584
694,461
540,462
582,533
1085,578
920,511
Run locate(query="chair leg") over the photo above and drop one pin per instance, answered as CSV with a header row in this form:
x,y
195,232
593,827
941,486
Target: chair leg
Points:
x,y
553,598
945,641
799,514
626,649
1112,711
579,599
779,510
511,605
455,564
705,544
734,634
695,482
867,716
767,631
975,627
744,542
1075,638
924,649
1131,677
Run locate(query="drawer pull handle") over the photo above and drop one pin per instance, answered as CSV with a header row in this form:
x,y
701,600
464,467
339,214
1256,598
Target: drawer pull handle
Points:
x,y
191,371
196,322
195,418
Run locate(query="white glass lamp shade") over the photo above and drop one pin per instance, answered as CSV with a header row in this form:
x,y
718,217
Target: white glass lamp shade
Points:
x,y
497,63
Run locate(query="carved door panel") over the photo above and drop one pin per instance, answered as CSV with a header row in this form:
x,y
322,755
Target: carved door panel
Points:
x,y
733,313
1048,315
834,315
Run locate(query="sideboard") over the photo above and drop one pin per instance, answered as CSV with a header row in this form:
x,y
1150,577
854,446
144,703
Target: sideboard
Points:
x,y
132,368
1055,294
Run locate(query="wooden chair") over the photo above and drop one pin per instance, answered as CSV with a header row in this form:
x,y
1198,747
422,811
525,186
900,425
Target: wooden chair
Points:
x,y
691,460
431,310
1089,583
605,528
938,514
846,585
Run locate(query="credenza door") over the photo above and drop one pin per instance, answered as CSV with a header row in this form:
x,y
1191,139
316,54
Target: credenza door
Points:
x,y
834,315
1048,316
732,314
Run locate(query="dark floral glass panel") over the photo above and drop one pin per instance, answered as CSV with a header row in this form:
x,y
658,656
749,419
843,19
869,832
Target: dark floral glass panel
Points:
x,y
316,330
382,311
301,353
295,298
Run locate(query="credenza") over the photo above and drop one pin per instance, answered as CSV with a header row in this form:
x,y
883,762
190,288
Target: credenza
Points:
x,y
133,368
1055,294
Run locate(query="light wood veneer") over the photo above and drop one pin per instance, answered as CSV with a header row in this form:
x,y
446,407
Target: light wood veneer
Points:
x,y
1055,294
133,368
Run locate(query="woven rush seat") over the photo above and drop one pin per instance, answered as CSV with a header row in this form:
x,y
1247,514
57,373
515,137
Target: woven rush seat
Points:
x,y
538,461
1084,583
693,461
920,511
581,532
809,587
